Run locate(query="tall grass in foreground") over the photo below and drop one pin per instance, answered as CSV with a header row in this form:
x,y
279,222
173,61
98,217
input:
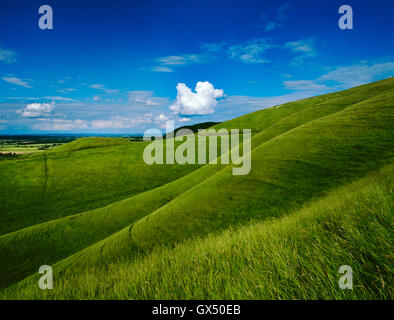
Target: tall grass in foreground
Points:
x,y
293,257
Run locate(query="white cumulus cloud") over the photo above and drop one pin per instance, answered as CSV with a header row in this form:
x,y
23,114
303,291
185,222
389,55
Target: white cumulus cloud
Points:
x,y
36,110
203,101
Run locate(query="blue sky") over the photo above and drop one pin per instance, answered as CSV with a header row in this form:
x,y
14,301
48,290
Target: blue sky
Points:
x,y
126,66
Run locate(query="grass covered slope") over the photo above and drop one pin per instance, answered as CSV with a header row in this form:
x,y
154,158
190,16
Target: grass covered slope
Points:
x,y
23,251
287,171
262,119
55,240
303,150
85,174
91,143
294,257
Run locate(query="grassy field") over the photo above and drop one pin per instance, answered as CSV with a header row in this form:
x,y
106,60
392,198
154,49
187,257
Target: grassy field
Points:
x,y
111,226
293,257
19,145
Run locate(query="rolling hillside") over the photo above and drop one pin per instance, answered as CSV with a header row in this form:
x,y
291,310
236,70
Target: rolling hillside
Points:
x,y
95,206
85,174
294,257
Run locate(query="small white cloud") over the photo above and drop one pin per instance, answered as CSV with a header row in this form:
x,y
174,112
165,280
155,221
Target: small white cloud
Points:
x,y
203,101
184,119
162,117
17,81
37,110
7,55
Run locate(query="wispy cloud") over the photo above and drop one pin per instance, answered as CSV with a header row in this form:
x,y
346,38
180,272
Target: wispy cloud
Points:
x,y
58,98
7,55
234,106
276,20
61,125
305,85
213,47
116,123
180,60
102,87
343,77
304,48
41,98
17,81
358,74
207,53
146,98
66,90
167,63
111,123
158,69
251,51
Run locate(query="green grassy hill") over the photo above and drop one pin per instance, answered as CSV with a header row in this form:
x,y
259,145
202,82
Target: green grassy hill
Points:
x,y
91,143
85,174
294,257
301,152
